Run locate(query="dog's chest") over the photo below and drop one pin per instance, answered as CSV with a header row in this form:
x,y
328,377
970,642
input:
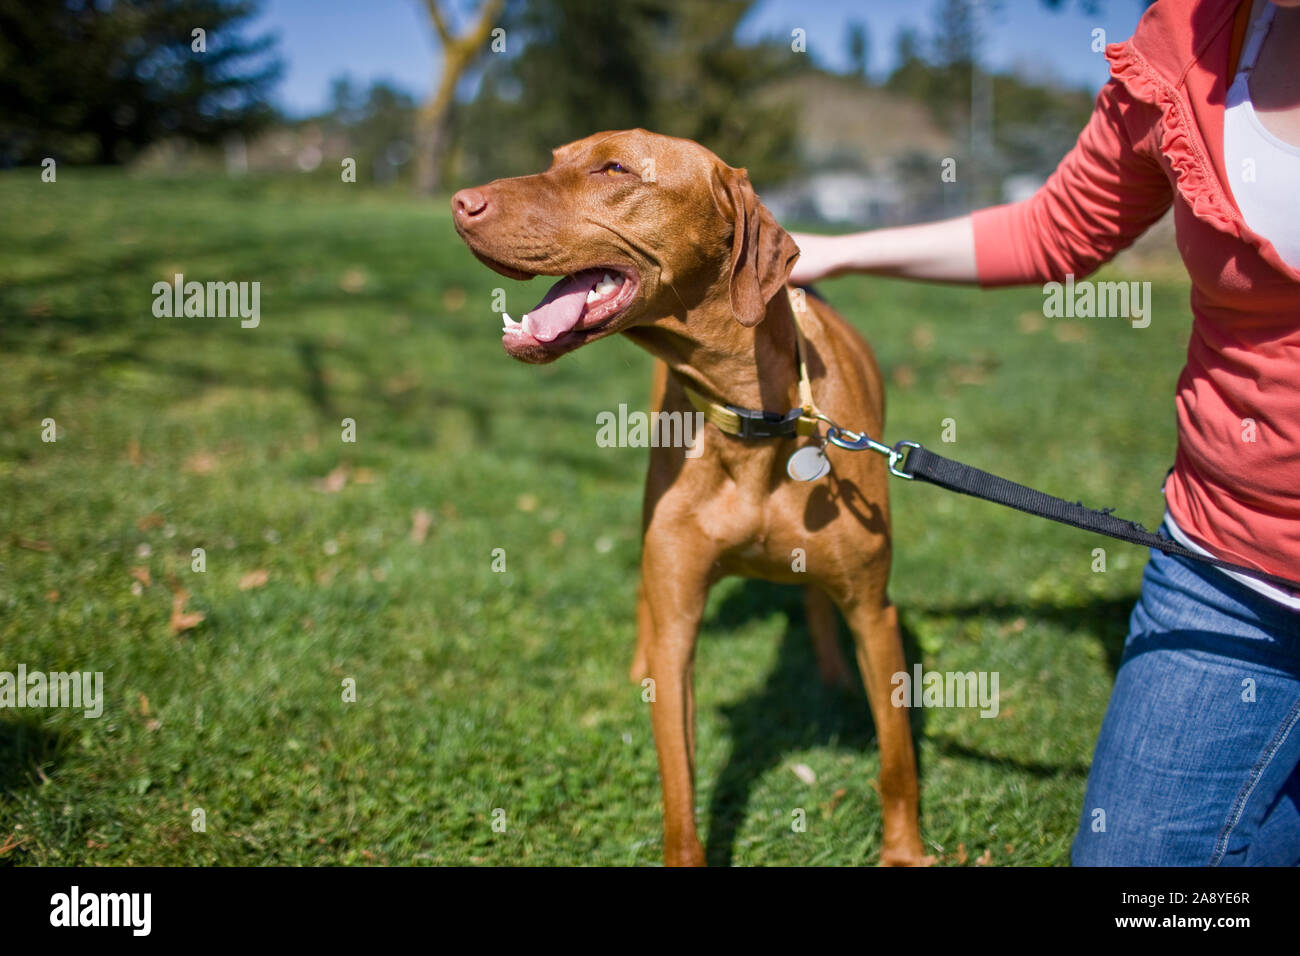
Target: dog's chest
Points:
x,y
751,512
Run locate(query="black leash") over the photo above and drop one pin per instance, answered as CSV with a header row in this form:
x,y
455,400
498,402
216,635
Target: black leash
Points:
x,y
910,460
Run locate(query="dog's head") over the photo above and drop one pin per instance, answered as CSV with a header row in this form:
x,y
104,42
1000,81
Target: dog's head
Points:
x,y
639,226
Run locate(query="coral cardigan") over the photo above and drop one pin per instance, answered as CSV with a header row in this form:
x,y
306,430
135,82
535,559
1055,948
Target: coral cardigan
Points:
x,y
1156,138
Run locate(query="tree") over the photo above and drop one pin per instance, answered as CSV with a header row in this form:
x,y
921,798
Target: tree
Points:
x,y
858,47
459,51
671,66
376,123
98,81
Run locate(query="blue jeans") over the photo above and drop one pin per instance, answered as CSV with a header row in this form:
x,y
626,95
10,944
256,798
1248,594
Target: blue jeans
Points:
x,y
1198,760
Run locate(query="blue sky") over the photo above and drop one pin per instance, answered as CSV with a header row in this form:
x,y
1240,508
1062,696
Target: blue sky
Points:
x,y
392,39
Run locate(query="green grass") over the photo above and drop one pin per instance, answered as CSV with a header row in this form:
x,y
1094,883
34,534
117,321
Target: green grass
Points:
x,y
478,690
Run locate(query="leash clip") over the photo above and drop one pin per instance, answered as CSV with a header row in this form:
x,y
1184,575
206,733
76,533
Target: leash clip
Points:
x,y
897,455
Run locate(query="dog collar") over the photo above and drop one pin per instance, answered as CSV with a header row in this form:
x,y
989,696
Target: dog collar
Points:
x,y
755,423
750,422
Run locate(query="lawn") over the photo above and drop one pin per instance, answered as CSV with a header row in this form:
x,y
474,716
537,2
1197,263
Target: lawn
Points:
x,y
332,565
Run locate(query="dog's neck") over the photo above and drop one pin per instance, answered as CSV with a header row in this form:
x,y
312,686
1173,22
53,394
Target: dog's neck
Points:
x,y
751,368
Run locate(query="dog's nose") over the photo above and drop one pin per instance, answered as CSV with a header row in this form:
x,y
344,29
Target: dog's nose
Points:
x,y
469,203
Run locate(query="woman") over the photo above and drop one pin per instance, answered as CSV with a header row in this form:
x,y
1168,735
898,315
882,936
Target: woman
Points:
x,y
1198,759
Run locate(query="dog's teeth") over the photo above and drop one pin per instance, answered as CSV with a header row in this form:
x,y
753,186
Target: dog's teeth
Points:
x,y
618,279
605,286
526,325
592,296
509,321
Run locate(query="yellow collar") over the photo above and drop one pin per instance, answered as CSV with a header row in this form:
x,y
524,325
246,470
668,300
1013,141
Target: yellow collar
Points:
x,y
749,423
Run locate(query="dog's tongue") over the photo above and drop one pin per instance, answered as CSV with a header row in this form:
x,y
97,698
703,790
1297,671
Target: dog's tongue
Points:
x,y
561,309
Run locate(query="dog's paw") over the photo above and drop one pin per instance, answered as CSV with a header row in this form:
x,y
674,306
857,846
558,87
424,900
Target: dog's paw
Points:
x,y
906,858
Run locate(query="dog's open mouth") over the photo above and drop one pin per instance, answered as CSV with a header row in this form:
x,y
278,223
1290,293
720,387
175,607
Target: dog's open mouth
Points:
x,y
575,307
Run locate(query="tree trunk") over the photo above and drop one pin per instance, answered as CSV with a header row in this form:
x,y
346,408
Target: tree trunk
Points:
x,y
431,125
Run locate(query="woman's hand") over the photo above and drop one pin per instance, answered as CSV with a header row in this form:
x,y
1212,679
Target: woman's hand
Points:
x,y
819,258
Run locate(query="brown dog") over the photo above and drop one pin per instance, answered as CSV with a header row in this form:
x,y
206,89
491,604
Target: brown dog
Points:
x,y
697,271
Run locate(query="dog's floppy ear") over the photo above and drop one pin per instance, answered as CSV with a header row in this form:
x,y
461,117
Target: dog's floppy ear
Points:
x,y
762,253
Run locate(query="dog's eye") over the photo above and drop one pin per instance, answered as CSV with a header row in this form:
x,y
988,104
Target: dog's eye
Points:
x,y
615,169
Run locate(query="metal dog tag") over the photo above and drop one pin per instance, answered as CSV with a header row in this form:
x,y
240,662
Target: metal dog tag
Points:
x,y
808,464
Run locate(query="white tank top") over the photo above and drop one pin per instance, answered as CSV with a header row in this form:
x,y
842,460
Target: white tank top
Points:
x,y
1263,169
1264,175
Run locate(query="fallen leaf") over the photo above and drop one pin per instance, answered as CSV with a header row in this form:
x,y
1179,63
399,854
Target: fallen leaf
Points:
x,y
400,384
1070,332
183,620
12,842
253,579
151,520
421,520
963,374
453,298
985,858
141,574
200,463
144,705
1030,322
336,480
31,544
904,376
353,280
961,853
52,596
836,797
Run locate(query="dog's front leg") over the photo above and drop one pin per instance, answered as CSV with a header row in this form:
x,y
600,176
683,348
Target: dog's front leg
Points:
x,y
674,589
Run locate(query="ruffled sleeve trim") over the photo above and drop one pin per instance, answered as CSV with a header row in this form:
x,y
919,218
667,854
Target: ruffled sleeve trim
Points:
x,y
1181,144
1179,139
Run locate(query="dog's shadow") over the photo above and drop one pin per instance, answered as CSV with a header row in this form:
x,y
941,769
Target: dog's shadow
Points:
x,y
28,750
792,711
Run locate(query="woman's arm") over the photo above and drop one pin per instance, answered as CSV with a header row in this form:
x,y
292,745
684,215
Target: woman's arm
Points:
x,y
938,251
1103,195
